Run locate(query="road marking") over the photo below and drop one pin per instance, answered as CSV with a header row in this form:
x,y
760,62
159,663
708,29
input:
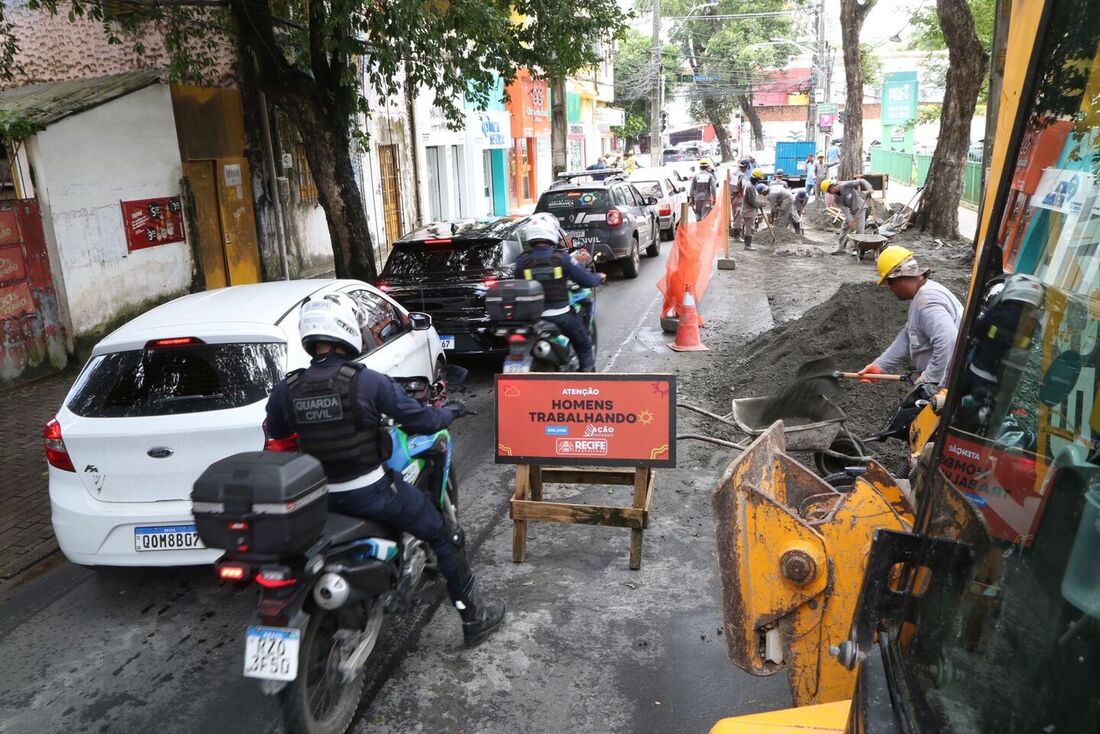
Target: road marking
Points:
x,y
630,335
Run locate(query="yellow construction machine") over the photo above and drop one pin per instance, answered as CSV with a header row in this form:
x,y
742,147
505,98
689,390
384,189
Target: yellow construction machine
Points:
x,y
971,602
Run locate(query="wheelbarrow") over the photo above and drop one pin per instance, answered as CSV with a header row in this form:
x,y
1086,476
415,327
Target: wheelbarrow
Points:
x,y
866,243
824,434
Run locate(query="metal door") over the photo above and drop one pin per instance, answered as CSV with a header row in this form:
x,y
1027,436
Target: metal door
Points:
x,y
204,192
32,334
242,252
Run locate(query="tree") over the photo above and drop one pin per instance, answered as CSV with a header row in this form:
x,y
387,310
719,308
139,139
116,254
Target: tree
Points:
x,y
312,60
634,79
852,15
731,54
966,73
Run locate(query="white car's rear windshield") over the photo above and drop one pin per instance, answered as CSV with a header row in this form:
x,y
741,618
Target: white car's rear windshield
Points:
x,y
178,379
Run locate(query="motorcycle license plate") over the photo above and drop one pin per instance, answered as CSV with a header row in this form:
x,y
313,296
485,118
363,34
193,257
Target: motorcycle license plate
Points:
x,y
271,653
518,365
167,538
447,342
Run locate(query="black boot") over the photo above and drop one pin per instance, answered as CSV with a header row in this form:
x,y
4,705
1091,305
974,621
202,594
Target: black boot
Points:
x,y
737,233
748,244
479,618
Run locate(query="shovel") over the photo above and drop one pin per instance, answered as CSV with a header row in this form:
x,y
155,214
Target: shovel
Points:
x,y
813,381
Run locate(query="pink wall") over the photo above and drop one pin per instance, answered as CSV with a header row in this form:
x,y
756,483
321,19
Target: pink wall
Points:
x,y
53,49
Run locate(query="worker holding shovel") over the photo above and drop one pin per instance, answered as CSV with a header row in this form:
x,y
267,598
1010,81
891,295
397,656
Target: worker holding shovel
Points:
x,y
928,337
850,198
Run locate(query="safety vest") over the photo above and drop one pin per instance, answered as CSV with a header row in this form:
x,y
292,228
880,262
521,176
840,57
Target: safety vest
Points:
x,y
701,184
548,271
324,413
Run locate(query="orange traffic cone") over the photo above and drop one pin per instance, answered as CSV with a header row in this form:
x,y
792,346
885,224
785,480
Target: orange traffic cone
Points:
x,y
687,334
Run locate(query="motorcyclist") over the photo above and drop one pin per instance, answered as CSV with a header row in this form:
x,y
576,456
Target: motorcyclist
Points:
x,y
348,441
544,261
704,190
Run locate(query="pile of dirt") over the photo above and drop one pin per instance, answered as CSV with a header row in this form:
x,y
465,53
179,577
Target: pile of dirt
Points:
x,y
805,249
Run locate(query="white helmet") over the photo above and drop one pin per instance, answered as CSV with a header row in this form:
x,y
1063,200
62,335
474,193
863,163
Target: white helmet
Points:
x,y
334,318
539,230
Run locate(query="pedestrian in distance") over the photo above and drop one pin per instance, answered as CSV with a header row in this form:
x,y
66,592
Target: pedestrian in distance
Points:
x,y
851,198
808,171
819,172
599,165
704,190
927,341
543,259
352,447
832,159
630,163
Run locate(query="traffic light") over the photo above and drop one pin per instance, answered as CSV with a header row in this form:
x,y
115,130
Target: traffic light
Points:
x,y
664,120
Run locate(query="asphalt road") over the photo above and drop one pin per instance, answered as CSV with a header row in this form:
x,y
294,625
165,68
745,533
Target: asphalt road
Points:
x,y
161,649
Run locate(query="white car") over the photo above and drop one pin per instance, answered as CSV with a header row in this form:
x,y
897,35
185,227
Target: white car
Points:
x,y
663,184
180,387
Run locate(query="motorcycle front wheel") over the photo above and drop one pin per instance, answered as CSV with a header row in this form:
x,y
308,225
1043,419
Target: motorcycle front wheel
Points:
x,y
321,701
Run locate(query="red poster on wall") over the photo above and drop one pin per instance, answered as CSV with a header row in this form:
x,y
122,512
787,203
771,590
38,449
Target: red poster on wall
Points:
x,y
11,264
15,300
586,419
152,222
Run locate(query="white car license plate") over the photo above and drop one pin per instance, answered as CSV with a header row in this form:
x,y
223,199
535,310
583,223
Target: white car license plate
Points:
x,y
166,537
271,653
518,365
447,342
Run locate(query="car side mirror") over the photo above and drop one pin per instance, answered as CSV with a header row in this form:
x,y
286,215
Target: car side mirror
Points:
x,y
651,200
420,321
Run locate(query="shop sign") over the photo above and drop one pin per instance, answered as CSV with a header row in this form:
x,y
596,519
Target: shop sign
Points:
x,y
899,98
151,222
488,128
1000,483
586,420
1062,190
610,117
529,104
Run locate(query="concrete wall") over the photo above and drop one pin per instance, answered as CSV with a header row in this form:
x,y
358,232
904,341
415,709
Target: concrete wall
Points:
x,y
84,166
51,48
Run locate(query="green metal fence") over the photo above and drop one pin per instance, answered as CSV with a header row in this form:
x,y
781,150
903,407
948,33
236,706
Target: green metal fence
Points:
x,y
924,162
972,183
898,165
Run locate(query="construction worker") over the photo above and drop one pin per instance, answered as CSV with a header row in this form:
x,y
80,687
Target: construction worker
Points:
x,y
752,204
801,198
781,202
851,198
927,340
778,178
704,190
737,196
819,170
630,164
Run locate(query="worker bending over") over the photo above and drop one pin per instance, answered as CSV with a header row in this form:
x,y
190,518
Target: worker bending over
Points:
x,y
781,202
928,339
851,198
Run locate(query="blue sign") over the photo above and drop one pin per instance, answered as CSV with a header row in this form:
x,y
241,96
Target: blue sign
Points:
x,y
557,430
705,78
490,128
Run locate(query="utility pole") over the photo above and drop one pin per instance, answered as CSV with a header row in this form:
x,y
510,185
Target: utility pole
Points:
x,y
824,63
816,80
655,100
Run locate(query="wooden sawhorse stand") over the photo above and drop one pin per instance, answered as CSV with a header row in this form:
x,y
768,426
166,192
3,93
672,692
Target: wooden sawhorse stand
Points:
x,y
527,504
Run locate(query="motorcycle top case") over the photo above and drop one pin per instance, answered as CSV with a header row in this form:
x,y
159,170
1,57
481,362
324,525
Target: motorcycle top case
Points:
x,y
514,301
261,503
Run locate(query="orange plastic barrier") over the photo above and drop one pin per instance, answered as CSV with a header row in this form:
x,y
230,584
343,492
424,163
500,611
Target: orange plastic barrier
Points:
x,y
692,259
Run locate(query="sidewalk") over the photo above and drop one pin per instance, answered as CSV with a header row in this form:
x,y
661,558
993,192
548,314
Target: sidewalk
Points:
x,y
26,536
968,218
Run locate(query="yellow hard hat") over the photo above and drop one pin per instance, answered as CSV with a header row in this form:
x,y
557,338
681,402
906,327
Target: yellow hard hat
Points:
x,y
889,259
705,163
757,173
825,185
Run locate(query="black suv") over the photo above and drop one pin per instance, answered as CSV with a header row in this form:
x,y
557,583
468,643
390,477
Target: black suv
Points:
x,y
444,269
611,217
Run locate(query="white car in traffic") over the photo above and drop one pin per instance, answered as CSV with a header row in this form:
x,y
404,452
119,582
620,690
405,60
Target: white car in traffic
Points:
x,y
180,387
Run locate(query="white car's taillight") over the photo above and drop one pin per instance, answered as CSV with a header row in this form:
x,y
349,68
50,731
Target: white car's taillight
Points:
x,y
56,453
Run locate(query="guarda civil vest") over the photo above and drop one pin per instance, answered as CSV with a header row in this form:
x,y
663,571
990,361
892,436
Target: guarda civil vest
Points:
x,y
325,415
548,271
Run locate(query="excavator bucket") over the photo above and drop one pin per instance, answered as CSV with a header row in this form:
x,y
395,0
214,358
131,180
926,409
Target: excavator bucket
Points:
x,y
791,555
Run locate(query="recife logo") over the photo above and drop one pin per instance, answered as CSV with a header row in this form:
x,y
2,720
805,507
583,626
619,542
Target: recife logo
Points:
x,y
557,430
591,430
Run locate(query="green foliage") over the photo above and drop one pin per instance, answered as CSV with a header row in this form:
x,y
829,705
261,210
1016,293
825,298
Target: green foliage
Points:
x,y
636,125
16,128
926,32
734,51
8,48
871,64
454,48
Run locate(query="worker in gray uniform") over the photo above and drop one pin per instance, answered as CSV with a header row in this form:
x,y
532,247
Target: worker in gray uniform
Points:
x,y
737,196
751,206
851,198
781,203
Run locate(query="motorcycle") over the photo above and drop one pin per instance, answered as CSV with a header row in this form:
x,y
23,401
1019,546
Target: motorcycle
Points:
x,y
321,611
536,345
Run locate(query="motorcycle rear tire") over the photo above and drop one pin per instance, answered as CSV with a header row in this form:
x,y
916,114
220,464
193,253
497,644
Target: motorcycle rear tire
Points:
x,y
314,657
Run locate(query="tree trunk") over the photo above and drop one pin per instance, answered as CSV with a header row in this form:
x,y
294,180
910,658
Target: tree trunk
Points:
x,y
559,127
939,214
750,112
317,104
714,117
852,15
